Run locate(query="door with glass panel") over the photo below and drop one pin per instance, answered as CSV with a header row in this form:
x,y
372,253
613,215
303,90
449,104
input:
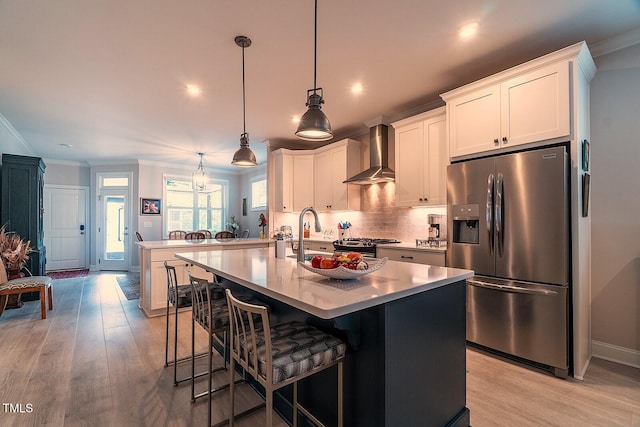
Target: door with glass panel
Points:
x,y
113,232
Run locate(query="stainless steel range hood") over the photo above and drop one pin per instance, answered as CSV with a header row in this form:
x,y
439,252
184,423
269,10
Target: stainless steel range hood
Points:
x,y
379,159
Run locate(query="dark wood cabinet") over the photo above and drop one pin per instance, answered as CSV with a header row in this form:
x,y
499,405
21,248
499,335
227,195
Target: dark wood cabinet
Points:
x,y
22,204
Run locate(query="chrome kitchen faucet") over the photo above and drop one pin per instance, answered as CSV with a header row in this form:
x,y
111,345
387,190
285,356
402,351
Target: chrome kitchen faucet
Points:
x,y
301,234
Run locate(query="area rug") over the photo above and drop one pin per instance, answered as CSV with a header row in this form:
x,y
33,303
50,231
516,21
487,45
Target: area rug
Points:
x,y
130,285
67,274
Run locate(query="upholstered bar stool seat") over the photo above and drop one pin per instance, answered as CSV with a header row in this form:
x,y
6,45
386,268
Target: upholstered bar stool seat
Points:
x,y
280,355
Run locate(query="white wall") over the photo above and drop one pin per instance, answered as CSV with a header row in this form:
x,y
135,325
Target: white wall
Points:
x,y
615,184
250,221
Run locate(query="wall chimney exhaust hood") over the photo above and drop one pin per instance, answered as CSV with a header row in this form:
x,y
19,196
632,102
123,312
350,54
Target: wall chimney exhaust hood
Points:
x,y
379,159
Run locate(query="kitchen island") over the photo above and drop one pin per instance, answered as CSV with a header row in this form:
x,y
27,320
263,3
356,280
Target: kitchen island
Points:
x,y
404,325
153,277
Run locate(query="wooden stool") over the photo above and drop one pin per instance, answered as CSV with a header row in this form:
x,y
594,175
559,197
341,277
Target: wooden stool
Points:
x,y
23,285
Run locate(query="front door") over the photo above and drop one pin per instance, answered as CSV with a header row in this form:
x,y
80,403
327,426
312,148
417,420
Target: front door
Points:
x,y
114,230
65,227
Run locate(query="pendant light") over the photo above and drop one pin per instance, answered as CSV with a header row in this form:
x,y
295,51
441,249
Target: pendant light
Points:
x,y
199,177
244,157
314,125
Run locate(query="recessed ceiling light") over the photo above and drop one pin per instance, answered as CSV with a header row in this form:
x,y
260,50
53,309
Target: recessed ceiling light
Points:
x,y
193,90
468,30
295,119
357,88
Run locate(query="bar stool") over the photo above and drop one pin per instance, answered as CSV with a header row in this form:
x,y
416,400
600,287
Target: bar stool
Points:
x,y
179,296
212,313
276,356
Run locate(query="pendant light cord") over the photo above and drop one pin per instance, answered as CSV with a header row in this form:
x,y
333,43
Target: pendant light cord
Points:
x,y
315,45
244,120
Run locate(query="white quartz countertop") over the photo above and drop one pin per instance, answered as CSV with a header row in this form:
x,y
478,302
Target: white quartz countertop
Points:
x,y
284,280
187,245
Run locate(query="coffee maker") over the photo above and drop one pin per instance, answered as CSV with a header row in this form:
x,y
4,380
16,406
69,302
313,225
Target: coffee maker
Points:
x,y
437,230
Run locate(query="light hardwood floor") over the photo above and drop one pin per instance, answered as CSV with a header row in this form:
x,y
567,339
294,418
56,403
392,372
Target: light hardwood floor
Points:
x,y
98,361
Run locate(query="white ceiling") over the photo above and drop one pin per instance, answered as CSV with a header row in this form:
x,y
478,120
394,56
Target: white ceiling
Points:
x,y
108,76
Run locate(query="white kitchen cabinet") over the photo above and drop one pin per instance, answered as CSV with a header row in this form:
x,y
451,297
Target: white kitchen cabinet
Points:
x,y
283,162
421,159
510,109
417,256
326,246
159,276
333,164
293,179
153,276
303,178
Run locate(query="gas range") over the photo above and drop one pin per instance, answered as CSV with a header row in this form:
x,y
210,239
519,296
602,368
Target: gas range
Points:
x,y
364,245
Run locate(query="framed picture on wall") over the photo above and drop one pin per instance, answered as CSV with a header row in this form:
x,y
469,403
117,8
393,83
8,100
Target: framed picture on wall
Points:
x,y
585,155
149,206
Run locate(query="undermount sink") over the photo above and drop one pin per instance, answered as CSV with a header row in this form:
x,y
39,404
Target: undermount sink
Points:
x,y
306,257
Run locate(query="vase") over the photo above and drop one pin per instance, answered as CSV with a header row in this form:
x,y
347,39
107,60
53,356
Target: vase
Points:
x,y
261,234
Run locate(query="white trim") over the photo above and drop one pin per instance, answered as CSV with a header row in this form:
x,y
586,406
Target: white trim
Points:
x,y
13,133
615,353
618,42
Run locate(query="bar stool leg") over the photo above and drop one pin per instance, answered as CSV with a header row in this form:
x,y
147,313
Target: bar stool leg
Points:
x,y
166,338
175,344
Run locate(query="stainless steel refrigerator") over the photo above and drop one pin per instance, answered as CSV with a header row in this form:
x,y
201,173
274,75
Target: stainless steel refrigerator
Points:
x,y
508,219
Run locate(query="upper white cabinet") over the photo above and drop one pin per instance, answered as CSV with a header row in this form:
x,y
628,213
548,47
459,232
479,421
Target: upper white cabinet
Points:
x,y
529,104
283,162
333,164
315,177
421,159
293,180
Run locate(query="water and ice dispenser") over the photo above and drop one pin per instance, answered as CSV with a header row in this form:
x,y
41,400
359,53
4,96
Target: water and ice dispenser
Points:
x,y
466,222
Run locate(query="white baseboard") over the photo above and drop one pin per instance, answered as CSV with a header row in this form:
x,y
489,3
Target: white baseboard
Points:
x,y
614,353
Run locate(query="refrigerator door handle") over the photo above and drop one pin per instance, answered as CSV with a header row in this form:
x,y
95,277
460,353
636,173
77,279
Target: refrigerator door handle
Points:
x,y
510,288
499,214
489,210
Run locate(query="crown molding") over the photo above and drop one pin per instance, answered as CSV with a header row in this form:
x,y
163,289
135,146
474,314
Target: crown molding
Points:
x,y
7,128
616,43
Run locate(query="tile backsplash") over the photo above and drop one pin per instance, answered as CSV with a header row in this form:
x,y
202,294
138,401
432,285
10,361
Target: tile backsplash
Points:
x,y
378,217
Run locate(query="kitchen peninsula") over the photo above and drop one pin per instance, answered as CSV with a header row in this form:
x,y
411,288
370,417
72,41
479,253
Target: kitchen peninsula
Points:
x,y
153,277
404,325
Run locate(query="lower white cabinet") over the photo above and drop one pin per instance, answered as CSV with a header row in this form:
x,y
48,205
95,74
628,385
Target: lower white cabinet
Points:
x,y
418,256
153,275
158,297
321,246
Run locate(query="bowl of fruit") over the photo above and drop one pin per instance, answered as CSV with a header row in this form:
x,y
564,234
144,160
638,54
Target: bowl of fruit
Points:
x,y
343,266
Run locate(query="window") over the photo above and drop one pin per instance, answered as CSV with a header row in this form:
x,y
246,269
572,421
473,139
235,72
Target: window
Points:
x,y
259,194
189,210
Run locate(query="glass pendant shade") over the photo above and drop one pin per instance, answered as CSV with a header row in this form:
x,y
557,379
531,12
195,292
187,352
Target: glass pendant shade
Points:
x,y
244,157
314,124
199,177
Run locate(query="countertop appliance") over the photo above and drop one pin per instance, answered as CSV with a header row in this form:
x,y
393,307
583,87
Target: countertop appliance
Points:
x,y
508,219
366,246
